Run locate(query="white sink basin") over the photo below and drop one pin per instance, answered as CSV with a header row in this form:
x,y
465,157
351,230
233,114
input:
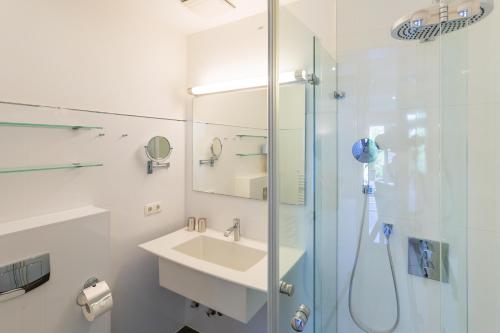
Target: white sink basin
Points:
x,y
228,276
229,255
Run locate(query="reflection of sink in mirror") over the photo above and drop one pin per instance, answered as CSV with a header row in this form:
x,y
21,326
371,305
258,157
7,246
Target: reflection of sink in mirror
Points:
x,y
230,255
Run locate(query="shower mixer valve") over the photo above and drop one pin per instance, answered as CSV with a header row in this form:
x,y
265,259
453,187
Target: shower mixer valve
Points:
x,y
428,259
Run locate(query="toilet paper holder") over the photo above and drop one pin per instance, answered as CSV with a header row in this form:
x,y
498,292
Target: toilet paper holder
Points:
x,y
92,282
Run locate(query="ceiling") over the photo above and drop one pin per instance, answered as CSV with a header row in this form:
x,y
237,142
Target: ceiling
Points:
x,y
184,19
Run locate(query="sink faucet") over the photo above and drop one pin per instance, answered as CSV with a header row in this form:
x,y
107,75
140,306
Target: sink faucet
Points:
x,y
235,229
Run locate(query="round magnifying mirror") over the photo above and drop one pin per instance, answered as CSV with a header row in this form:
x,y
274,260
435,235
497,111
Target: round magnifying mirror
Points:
x,y
216,147
158,148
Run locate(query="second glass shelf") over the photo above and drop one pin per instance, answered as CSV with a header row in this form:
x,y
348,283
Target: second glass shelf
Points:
x,y
254,154
50,167
251,136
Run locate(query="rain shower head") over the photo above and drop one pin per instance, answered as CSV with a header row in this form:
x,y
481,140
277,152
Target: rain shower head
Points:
x,y
440,19
365,150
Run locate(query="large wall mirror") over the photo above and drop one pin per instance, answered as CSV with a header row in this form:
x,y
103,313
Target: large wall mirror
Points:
x,y
230,143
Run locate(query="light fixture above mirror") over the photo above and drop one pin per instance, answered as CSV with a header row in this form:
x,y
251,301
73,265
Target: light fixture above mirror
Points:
x,y
249,83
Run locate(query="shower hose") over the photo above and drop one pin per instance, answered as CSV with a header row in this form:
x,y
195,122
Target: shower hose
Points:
x,y
356,320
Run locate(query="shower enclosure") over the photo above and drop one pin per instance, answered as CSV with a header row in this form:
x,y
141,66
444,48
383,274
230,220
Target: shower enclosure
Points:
x,y
385,241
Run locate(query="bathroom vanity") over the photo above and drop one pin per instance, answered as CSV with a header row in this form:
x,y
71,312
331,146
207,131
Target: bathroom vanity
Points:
x,y
225,275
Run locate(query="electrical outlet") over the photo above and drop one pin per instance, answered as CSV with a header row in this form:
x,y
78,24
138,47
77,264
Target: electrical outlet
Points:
x,y
152,208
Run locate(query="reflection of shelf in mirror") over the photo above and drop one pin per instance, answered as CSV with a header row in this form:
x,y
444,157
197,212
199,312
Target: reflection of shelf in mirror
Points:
x,y
254,154
50,167
251,136
73,127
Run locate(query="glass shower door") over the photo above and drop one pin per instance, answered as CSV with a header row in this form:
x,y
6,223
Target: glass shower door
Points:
x,y
325,192
302,200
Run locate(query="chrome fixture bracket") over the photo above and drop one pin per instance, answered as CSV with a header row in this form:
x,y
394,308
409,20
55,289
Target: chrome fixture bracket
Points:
x,y
152,164
312,79
21,277
287,288
210,162
91,282
338,95
368,190
428,259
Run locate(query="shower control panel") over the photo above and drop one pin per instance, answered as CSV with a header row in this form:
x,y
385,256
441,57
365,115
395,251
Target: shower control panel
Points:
x,y
428,259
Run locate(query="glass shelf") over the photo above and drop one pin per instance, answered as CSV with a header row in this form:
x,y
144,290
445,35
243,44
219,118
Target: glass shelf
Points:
x,y
73,127
251,136
50,167
254,154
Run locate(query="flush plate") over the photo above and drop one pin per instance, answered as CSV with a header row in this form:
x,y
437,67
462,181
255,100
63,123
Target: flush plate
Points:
x,y
428,259
18,278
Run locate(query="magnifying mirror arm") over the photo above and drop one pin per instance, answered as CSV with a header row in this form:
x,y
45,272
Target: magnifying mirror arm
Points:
x,y
151,164
210,161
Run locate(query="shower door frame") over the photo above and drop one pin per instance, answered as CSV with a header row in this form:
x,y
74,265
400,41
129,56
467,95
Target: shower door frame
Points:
x,y
273,228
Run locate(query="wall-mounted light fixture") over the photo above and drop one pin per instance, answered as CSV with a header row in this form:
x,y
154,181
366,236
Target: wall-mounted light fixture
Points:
x,y
256,82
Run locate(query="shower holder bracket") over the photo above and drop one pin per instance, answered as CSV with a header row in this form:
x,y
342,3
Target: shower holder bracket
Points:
x,y
338,95
428,259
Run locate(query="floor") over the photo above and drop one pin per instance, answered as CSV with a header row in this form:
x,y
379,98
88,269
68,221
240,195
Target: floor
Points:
x,y
186,329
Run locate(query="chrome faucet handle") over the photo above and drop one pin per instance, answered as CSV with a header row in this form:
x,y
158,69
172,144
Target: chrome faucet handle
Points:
x,y
228,232
235,229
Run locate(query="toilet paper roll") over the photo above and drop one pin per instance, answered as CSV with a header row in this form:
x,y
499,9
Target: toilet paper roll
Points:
x,y
96,300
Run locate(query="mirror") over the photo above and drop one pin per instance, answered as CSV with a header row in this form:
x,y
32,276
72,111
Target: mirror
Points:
x,y
157,150
230,143
216,147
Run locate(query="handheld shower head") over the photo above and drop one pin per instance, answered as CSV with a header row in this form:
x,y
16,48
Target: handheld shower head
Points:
x,y
365,150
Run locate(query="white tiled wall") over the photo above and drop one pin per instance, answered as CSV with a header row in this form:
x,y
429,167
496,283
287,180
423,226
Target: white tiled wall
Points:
x,y
397,85
483,43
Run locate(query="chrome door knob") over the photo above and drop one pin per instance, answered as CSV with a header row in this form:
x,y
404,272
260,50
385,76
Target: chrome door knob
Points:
x,y
299,320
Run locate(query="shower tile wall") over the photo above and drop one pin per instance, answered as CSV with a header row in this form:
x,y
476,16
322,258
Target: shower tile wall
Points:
x,y
484,161
393,91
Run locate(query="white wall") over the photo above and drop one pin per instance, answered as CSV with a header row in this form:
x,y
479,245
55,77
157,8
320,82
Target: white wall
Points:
x,y
118,57
106,55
